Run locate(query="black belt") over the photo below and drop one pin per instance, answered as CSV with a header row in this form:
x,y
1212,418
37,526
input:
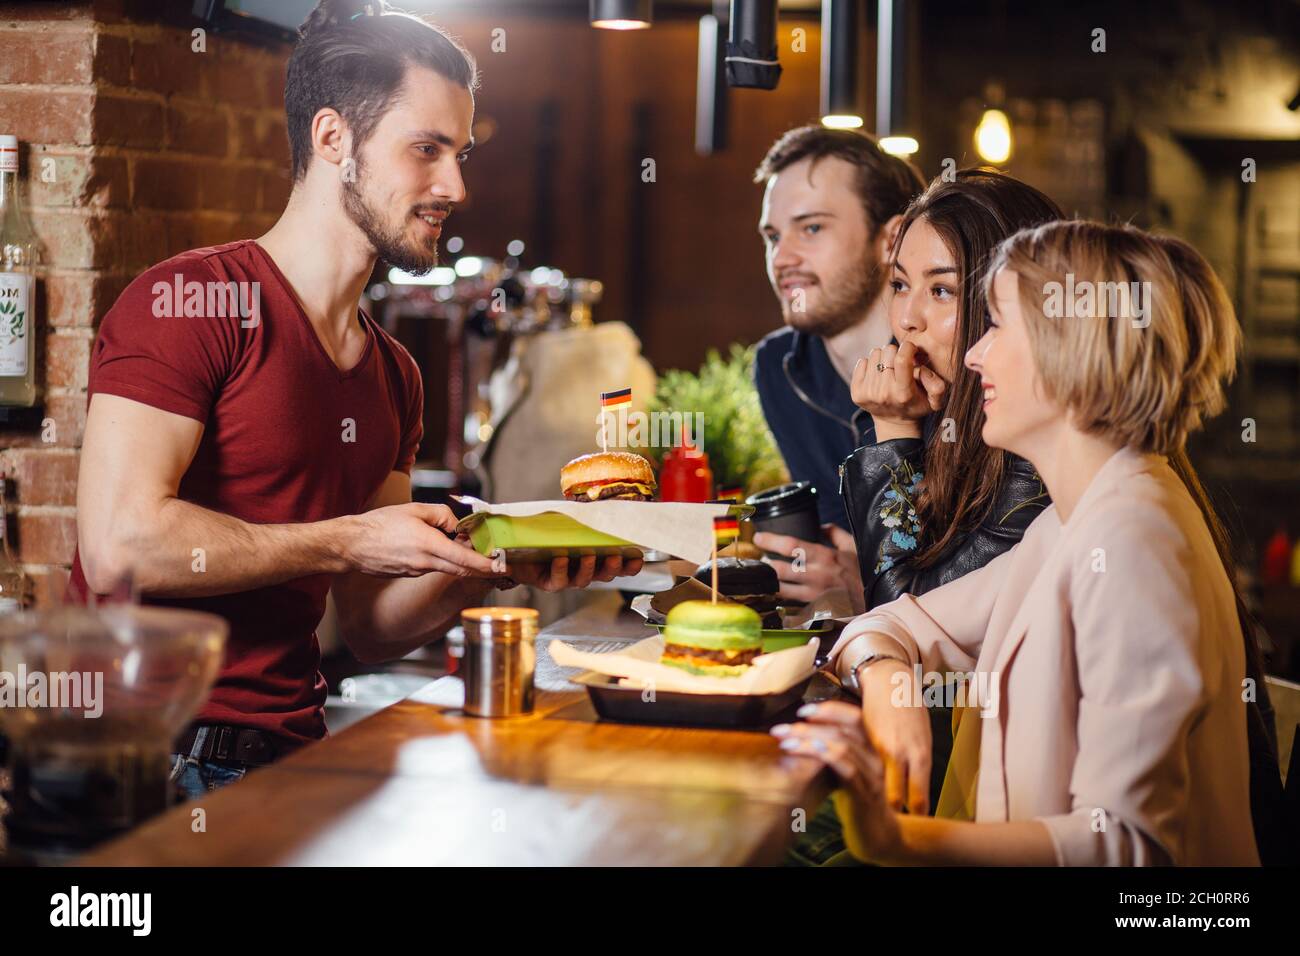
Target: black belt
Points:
x,y
242,745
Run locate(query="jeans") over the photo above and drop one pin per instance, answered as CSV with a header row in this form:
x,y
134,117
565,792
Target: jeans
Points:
x,y
194,777
823,843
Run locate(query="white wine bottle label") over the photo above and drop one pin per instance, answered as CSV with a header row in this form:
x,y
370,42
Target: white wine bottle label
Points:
x,y
15,322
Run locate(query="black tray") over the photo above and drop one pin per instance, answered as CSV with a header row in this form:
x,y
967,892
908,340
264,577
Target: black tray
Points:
x,y
614,702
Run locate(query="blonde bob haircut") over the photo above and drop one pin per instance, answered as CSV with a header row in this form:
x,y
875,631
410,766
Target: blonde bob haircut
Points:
x,y
1132,333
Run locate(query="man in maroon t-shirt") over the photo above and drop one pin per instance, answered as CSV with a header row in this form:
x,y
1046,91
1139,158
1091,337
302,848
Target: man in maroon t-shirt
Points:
x,y
250,434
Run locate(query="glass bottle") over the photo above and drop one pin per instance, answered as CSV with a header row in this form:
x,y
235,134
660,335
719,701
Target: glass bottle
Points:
x,y
17,287
15,585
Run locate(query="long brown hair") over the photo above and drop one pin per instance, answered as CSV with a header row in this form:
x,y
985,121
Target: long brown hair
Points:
x,y
972,213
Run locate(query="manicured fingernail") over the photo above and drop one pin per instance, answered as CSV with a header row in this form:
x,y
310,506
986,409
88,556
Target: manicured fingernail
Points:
x,y
780,730
807,710
790,743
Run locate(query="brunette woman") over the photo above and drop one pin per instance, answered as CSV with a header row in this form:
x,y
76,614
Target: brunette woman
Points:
x,y
929,501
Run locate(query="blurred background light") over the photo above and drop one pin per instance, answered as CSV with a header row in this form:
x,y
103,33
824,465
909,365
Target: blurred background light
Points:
x,y
622,14
899,145
842,122
469,266
441,275
993,137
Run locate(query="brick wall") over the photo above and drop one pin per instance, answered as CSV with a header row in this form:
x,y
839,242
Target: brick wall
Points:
x,y
135,146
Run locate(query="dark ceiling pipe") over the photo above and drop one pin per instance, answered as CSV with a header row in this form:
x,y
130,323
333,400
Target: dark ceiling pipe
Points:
x,y
751,45
840,98
891,69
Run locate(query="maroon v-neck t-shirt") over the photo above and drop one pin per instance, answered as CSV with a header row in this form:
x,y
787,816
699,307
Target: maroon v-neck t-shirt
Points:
x,y
287,437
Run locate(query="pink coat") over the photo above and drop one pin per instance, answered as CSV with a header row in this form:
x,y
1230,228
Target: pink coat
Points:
x,y
1116,674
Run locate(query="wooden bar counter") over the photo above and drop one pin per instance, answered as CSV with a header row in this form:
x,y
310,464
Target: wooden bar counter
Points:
x,y
419,783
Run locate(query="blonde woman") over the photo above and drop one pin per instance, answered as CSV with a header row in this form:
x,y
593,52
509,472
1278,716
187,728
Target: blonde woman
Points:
x,y
1106,644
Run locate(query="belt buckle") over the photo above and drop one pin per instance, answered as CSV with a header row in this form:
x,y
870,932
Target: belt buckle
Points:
x,y
222,743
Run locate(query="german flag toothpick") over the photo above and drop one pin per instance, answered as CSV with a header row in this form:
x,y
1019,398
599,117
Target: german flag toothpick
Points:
x,y
619,398
726,529
609,401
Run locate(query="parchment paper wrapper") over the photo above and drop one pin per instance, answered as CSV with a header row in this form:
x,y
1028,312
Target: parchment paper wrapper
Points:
x,y
638,666
834,605
679,528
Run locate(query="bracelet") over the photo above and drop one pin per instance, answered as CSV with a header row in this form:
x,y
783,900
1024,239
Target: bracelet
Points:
x,y
870,658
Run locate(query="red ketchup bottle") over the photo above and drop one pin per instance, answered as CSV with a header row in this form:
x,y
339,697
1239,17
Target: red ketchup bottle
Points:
x,y
685,475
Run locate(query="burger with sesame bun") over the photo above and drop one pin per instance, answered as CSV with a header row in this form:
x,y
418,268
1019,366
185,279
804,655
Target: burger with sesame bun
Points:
x,y
608,475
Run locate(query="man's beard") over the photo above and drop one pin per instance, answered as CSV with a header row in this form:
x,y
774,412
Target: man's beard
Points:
x,y
389,245
845,300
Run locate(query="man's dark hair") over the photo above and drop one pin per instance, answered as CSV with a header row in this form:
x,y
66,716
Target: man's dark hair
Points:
x,y
351,56
885,183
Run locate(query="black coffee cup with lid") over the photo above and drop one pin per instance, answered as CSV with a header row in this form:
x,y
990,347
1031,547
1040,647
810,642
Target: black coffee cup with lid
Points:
x,y
787,509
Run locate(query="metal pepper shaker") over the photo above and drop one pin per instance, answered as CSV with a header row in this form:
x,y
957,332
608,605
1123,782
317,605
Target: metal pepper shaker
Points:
x,y
500,657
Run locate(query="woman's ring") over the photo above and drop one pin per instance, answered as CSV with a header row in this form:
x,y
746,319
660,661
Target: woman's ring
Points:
x,y
881,366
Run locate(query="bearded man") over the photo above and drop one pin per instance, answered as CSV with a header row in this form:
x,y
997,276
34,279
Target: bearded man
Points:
x,y
248,458
831,208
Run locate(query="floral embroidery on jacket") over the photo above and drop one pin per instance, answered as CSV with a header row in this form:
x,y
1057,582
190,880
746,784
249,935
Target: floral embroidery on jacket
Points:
x,y
899,511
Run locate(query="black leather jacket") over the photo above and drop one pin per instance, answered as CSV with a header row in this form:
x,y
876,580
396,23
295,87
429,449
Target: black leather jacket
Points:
x,y
878,483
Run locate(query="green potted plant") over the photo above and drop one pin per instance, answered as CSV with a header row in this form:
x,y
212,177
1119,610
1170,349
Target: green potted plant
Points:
x,y
736,439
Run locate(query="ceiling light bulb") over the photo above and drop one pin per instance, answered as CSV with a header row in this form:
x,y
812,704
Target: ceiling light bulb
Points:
x,y
899,145
842,121
621,14
993,137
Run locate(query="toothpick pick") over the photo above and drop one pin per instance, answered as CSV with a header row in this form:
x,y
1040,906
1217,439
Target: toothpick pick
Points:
x,y
714,597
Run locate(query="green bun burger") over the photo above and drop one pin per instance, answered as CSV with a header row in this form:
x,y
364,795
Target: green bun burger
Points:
x,y
713,640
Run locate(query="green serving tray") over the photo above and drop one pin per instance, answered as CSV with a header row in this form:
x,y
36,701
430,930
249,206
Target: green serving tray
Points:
x,y
549,535
543,537
774,641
